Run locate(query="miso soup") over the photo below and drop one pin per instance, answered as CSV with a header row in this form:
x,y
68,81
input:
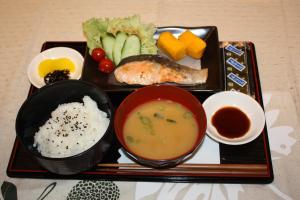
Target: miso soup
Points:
x,y
160,129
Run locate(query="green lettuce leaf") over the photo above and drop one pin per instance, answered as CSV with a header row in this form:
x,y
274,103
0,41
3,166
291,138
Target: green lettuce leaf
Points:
x,y
94,29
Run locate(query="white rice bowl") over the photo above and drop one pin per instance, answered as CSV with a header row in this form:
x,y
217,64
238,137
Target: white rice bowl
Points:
x,y
72,129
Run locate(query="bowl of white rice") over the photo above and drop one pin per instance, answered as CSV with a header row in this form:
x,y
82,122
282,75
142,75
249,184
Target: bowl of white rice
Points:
x,y
67,126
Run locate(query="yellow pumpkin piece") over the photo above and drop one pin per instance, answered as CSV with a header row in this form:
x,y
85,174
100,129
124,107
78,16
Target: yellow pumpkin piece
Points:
x,y
171,46
195,46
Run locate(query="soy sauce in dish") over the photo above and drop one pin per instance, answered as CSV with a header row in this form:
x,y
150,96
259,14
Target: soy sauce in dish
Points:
x,y
231,122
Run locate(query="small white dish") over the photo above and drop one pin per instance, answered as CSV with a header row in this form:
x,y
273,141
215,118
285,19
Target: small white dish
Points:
x,y
54,53
246,104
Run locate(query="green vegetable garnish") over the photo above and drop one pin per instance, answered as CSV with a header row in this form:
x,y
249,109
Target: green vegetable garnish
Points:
x,y
187,115
158,116
171,121
146,121
130,139
95,29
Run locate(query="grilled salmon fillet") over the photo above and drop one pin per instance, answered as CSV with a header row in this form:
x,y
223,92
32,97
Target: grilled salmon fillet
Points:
x,y
151,69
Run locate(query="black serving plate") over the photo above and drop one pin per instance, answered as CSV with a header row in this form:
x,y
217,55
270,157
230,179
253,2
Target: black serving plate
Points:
x,y
211,60
249,163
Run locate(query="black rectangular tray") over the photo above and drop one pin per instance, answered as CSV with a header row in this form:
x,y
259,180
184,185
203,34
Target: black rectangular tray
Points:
x,y
249,163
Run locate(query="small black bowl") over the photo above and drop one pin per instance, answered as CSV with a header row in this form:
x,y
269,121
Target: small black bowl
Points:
x,y
36,110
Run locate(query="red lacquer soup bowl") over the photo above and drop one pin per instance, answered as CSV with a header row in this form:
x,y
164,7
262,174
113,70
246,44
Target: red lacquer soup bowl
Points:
x,y
160,92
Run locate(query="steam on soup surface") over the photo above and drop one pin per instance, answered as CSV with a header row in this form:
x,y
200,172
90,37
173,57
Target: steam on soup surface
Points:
x,y
160,129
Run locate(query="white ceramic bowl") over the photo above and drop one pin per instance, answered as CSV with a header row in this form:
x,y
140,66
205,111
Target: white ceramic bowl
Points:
x,y
241,101
54,53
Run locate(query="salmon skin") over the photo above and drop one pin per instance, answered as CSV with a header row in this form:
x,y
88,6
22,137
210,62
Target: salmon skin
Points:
x,y
151,69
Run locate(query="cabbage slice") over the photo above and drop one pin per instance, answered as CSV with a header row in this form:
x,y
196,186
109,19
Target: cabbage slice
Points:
x,y
96,28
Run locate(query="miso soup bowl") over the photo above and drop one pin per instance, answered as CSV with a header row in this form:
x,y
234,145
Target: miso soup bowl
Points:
x,y
36,110
154,92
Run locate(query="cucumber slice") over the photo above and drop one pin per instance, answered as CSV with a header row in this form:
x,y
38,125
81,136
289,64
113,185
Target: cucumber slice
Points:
x,y
131,47
119,43
108,45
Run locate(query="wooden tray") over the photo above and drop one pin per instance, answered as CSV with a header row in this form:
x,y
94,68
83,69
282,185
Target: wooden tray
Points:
x,y
250,163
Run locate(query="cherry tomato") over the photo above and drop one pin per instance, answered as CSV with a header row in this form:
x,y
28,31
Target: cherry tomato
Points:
x,y
98,54
106,65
